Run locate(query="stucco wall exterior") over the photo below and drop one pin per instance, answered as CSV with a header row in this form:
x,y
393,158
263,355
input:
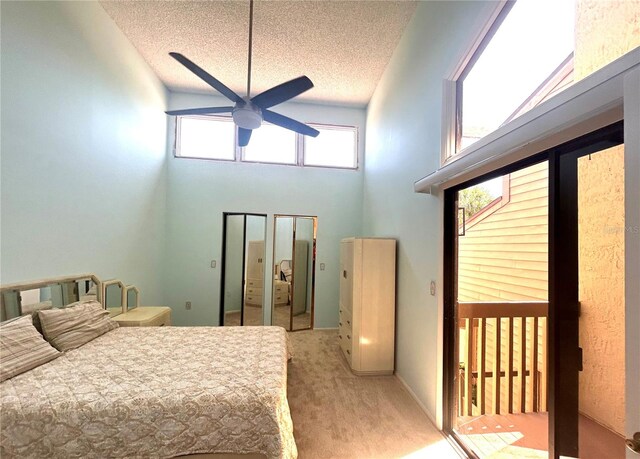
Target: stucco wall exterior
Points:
x,y
604,32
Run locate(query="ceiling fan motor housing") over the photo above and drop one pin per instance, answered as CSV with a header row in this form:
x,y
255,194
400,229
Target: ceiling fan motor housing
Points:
x,y
247,116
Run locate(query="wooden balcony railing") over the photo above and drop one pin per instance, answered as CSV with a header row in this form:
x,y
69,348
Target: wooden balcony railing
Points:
x,y
503,357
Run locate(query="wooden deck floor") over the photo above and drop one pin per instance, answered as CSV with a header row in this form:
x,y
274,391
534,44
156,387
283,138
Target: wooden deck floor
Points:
x,y
526,436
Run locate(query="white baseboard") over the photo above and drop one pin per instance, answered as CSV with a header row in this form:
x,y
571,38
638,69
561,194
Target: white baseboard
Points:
x,y
327,328
417,400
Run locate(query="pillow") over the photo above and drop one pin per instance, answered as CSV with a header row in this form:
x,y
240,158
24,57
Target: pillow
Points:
x,y
72,327
22,348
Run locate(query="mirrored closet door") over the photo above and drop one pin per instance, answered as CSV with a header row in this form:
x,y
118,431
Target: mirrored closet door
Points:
x,y
294,248
243,261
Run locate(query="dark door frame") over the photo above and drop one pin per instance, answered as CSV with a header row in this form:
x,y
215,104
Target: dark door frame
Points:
x,y
564,356
244,256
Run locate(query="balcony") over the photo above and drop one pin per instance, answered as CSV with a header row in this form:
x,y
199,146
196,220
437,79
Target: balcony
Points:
x,y
503,357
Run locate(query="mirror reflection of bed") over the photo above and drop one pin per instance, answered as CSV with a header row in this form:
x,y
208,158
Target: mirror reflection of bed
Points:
x,y
294,269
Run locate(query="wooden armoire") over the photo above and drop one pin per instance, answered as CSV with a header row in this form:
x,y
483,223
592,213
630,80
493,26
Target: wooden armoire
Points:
x,y
367,304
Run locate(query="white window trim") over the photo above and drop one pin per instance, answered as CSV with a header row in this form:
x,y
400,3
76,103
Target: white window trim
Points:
x,y
178,122
589,104
450,82
239,151
336,127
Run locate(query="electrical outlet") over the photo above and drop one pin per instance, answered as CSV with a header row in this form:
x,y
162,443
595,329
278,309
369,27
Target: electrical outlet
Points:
x,y
321,266
187,305
213,263
432,288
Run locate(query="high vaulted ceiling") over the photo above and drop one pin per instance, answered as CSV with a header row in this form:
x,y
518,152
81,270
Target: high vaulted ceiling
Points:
x,y
342,46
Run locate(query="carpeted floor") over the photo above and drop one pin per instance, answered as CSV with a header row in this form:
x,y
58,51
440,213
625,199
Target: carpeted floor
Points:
x,y
339,415
281,318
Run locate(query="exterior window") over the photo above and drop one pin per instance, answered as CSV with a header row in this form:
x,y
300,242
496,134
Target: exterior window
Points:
x,y
205,137
527,51
214,137
336,146
271,144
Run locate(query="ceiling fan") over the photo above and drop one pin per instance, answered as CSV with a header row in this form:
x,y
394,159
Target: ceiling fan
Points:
x,y
249,112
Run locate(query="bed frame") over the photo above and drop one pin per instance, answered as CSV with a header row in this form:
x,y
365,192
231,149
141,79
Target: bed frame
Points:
x,y
12,292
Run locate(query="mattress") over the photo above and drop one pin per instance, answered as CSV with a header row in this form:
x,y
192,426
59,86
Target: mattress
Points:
x,y
155,392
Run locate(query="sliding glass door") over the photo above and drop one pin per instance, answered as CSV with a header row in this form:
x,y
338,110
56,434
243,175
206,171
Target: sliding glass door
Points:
x,y
522,252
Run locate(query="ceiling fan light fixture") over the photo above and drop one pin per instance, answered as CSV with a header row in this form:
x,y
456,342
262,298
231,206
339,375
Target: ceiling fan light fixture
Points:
x,y
249,112
247,116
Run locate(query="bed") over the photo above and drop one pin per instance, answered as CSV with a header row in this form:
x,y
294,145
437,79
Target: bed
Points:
x,y
155,392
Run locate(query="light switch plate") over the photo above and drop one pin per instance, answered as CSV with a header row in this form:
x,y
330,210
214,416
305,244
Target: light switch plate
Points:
x,y
213,263
432,288
187,305
321,266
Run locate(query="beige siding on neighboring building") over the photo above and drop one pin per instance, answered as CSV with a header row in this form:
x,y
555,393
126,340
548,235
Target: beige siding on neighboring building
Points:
x,y
503,257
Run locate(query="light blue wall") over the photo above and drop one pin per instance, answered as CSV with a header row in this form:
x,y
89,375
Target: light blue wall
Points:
x,y
402,146
83,149
284,239
89,185
199,191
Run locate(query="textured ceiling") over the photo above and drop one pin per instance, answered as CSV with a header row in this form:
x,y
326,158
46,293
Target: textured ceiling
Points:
x,y
343,46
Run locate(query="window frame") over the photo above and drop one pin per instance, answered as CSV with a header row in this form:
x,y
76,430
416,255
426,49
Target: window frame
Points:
x,y
452,120
176,143
336,127
482,42
239,152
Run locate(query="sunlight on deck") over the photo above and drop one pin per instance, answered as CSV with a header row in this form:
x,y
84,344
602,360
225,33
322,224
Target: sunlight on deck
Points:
x,y
507,436
440,449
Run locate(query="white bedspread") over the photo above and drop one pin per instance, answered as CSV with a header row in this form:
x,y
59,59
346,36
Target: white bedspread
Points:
x,y
154,392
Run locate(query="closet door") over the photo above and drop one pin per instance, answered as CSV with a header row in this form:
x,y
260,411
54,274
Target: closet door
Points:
x,y
300,278
242,276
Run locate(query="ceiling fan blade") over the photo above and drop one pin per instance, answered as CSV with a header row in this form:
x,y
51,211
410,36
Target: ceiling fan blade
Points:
x,y
282,92
213,82
289,123
200,111
243,136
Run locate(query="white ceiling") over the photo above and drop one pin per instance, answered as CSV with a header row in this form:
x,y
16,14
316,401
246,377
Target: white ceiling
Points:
x,y
343,46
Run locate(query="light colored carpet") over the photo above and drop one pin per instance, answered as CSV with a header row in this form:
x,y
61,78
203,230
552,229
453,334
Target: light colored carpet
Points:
x,y
339,415
253,316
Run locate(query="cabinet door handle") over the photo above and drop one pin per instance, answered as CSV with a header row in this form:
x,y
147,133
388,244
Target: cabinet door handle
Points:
x,y
344,273
340,336
348,352
340,323
348,322
348,337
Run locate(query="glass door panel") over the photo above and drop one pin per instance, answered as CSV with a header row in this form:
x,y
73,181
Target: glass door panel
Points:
x,y
232,266
243,262
501,305
283,258
254,270
303,273
294,248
